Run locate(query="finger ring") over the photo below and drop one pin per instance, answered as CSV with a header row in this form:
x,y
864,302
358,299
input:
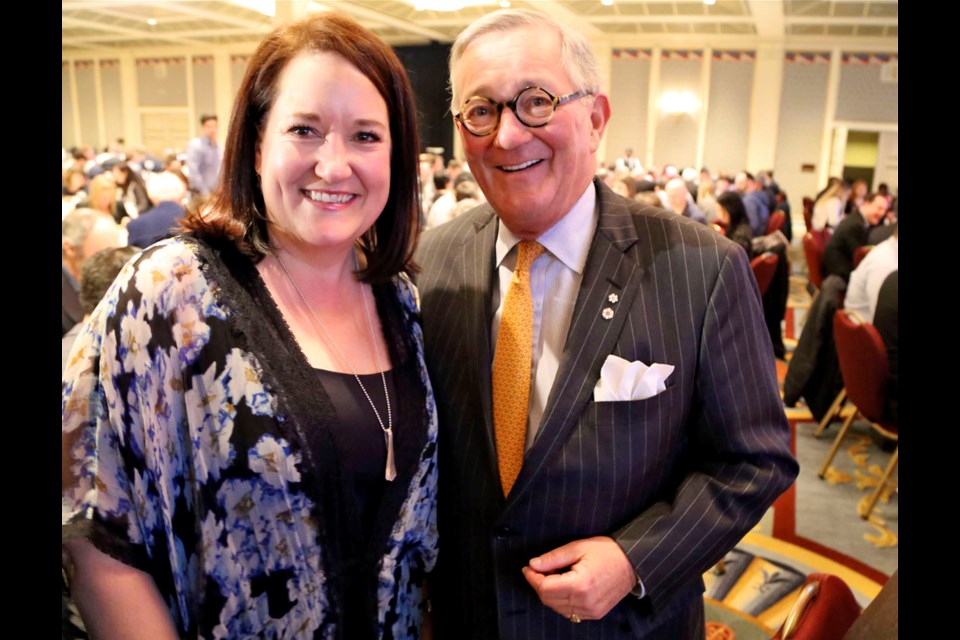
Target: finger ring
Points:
x,y
575,619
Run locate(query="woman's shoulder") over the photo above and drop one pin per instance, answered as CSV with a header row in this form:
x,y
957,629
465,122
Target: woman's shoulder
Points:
x,y
166,276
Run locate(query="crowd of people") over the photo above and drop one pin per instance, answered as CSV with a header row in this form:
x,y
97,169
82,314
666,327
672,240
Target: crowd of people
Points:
x,y
292,416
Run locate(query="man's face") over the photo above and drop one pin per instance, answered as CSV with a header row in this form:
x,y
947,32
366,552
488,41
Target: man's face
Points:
x,y
210,129
677,196
874,210
741,183
531,176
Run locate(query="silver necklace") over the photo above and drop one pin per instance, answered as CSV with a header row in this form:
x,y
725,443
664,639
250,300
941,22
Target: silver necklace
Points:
x,y
391,470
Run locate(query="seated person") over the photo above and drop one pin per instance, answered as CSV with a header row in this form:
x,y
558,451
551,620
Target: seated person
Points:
x,y
83,232
828,209
756,201
850,235
866,279
732,214
886,320
679,200
96,276
167,190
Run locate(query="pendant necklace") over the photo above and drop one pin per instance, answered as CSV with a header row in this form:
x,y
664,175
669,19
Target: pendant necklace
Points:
x,y
391,470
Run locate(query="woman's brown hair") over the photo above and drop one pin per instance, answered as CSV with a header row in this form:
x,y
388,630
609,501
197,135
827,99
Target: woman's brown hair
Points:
x,y
237,209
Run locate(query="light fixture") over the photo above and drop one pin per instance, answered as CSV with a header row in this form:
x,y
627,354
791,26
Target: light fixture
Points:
x,y
504,4
606,3
679,102
709,3
152,22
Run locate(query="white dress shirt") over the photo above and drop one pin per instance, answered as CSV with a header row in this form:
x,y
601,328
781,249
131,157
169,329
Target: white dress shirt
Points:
x,y
554,284
867,278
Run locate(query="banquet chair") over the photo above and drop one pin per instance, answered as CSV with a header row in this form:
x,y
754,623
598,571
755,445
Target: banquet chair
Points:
x,y
764,268
865,370
824,610
777,218
813,251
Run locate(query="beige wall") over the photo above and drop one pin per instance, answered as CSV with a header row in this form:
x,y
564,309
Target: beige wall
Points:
x,y
773,111
756,113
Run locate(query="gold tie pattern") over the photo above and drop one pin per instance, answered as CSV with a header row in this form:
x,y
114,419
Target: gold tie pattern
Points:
x,y
511,367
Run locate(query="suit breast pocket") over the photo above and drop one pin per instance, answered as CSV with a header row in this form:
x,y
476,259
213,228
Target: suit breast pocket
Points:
x,y
632,412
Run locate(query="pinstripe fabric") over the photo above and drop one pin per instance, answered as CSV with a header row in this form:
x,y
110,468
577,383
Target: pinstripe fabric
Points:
x,y
676,479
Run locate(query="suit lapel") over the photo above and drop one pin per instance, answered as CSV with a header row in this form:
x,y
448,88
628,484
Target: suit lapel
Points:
x,y
609,285
478,268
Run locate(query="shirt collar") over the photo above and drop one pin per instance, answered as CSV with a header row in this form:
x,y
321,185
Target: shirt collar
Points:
x,y
568,240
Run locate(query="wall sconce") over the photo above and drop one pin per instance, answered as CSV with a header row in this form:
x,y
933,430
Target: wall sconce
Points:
x,y
679,102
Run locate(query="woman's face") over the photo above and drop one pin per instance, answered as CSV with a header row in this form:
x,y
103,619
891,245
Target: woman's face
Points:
x,y
119,176
324,155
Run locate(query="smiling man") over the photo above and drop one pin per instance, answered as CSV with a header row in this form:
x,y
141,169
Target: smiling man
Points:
x,y
609,414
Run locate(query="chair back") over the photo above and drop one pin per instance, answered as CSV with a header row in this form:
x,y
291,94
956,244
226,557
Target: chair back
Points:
x,y
808,212
824,610
813,251
777,218
863,363
764,268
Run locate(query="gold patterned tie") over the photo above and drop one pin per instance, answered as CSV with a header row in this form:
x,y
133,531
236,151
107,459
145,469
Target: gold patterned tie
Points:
x,y
511,367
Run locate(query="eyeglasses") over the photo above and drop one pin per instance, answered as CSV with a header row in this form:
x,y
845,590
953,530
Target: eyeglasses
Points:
x,y
533,106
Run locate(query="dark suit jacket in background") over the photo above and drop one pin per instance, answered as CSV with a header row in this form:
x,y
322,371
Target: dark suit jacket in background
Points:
x,y
814,370
71,311
676,479
851,234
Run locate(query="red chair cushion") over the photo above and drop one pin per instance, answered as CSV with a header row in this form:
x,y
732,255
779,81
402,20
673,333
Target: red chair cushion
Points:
x,y
831,612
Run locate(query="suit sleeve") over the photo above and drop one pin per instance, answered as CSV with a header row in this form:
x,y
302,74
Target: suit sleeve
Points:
x,y
738,453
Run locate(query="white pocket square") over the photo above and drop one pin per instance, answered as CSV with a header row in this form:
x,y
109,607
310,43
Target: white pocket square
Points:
x,y
624,380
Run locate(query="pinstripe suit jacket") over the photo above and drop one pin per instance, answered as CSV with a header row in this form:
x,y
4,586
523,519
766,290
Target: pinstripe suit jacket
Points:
x,y
676,479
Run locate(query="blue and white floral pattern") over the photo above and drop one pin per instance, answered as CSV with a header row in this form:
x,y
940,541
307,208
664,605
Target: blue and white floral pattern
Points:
x,y
154,399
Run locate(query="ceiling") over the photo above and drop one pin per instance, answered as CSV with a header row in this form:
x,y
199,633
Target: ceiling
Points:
x,y
98,25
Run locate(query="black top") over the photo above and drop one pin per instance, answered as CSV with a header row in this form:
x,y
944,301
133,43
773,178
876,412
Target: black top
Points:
x,y
361,448
359,440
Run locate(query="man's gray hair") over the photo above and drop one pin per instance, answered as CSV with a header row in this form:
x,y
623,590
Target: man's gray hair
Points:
x,y
576,56
77,225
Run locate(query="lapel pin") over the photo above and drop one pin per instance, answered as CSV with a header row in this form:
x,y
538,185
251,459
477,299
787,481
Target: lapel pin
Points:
x,y
607,313
613,298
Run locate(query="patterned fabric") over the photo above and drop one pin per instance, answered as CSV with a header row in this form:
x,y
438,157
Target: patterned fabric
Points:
x,y
511,367
185,421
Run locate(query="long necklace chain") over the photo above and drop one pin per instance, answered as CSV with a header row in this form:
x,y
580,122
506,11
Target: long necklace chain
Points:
x,y
391,470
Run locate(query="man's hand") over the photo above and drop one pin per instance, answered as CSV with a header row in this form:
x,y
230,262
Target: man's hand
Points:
x,y
598,575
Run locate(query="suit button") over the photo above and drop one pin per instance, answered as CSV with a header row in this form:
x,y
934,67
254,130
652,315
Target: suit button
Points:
x,y
501,533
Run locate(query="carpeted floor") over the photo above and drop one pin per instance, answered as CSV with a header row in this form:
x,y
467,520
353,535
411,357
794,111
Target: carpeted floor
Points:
x,y
827,510
815,526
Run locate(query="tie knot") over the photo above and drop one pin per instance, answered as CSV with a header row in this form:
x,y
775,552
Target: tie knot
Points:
x,y
527,252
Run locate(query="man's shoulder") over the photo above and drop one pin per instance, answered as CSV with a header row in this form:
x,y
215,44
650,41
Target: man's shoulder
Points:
x,y
655,220
459,229
849,223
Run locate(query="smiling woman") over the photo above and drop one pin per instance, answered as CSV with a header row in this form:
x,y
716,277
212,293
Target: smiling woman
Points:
x,y
249,433
324,155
